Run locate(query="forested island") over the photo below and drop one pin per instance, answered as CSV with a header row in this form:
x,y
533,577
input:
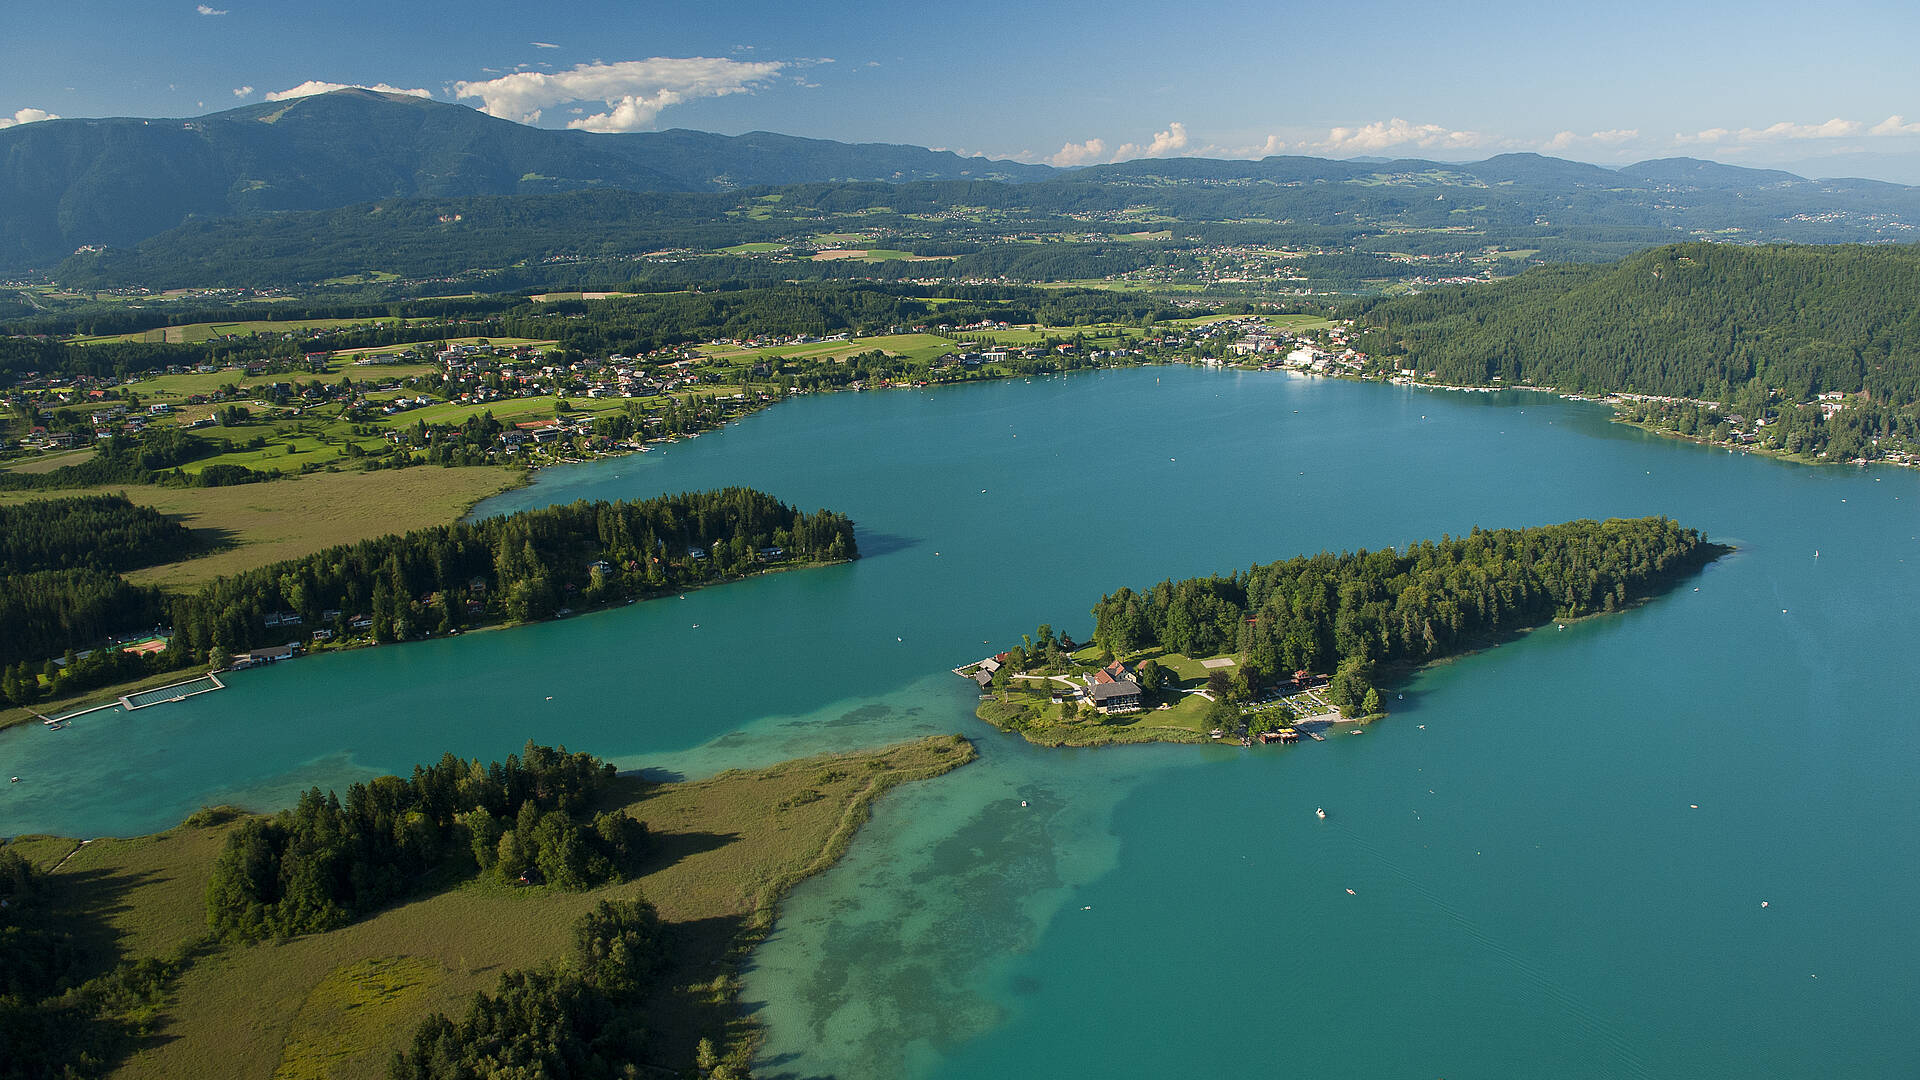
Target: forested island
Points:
x,y
512,918
1247,653
61,589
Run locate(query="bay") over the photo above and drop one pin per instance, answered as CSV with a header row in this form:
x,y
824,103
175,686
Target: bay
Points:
x,y
1534,891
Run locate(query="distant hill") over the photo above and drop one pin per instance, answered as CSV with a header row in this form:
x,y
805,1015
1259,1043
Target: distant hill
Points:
x,y
354,182
1717,321
115,182
1694,173
762,158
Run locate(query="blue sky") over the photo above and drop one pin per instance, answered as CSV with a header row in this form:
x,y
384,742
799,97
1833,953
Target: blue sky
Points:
x,y
1825,91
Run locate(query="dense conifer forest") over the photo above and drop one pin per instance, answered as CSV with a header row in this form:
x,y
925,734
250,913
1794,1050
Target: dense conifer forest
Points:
x,y
521,567
1355,610
326,861
1712,321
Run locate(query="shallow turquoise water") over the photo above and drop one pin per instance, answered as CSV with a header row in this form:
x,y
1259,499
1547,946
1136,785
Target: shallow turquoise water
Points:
x,y
1533,895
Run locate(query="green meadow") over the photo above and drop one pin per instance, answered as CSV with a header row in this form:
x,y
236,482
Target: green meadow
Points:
x,y
338,1004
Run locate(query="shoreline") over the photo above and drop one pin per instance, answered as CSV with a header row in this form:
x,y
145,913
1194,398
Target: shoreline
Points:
x,y
818,804
106,696
1057,734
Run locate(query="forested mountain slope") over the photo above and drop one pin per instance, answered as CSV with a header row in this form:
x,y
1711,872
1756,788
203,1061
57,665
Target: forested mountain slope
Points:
x,y
1713,321
117,181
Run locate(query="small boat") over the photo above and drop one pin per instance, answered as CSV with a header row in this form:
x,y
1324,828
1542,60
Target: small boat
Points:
x,y
1320,812
13,780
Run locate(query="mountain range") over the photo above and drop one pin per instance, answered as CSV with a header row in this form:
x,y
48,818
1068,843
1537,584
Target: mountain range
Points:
x,y
113,182
67,185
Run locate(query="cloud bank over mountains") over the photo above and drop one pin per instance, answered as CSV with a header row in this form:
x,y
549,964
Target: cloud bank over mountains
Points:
x,y
1397,136
632,92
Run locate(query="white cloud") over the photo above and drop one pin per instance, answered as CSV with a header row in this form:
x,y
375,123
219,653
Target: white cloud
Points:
x,y
315,86
1613,137
1272,146
26,116
242,91
634,91
1164,144
1089,152
1380,135
1787,130
1710,135
205,10
543,44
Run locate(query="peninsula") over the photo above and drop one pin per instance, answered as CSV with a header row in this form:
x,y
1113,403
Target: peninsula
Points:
x,y
1290,648
63,581
470,920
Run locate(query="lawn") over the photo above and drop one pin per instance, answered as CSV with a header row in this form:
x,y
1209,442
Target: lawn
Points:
x,y
338,1004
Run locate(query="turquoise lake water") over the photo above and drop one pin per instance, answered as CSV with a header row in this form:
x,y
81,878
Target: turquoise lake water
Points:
x,y
1534,894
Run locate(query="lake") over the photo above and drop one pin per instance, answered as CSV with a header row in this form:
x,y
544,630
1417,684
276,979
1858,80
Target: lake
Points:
x,y
1558,849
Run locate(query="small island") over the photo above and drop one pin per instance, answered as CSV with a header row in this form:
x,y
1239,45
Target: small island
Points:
x,y
1289,649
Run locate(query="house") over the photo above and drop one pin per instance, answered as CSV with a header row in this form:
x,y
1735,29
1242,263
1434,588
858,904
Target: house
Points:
x,y
274,654
1116,696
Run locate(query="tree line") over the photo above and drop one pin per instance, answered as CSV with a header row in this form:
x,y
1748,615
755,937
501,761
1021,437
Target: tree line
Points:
x,y
583,1019
521,567
1698,320
153,457
325,862
1356,610
105,532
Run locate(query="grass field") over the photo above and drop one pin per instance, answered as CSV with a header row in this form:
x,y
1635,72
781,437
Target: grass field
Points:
x,y
338,1004
911,346
194,333
46,463
1097,335
255,524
